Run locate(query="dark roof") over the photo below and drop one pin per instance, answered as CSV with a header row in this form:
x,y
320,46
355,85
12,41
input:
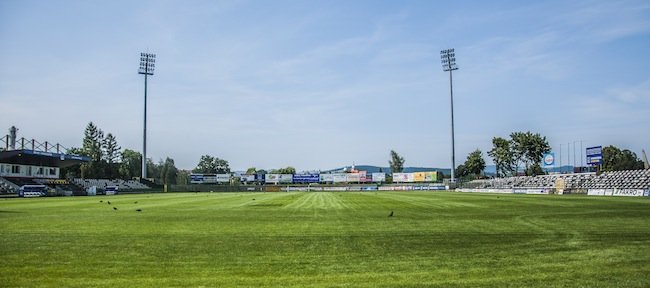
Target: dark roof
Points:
x,y
40,158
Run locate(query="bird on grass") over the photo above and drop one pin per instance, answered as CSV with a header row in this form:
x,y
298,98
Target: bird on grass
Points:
x,y
114,208
100,201
138,210
391,214
136,202
109,202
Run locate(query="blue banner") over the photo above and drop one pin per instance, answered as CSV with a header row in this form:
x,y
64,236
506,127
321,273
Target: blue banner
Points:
x,y
306,178
594,155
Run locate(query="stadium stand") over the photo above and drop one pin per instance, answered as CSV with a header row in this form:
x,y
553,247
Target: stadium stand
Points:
x,y
628,179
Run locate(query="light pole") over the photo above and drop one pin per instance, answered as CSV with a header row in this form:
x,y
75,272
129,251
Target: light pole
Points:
x,y
448,59
147,64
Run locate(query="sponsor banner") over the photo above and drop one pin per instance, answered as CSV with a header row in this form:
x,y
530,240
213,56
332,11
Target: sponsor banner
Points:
x,y
596,192
306,178
344,188
609,192
646,193
419,176
628,192
378,177
548,159
247,178
326,177
340,178
353,177
363,177
594,155
196,178
542,191
223,178
272,178
400,177
431,176
286,178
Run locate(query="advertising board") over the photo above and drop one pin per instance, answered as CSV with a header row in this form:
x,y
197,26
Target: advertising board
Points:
x,y
353,177
326,178
548,159
594,155
196,178
378,177
223,178
306,178
340,178
272,178
247,178
286,178
400,177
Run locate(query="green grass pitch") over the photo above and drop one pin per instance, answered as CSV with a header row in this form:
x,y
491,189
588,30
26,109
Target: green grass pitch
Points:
x,y
434,239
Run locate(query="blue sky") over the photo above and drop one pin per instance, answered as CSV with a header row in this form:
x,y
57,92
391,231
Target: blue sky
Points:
x,y
323,84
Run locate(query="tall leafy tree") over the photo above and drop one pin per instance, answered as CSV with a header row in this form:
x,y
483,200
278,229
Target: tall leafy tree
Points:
x,y
131,165
168,171
615,159
221,165
475,163
503,156
209,165
206,165
251,170
92,147
529,149
183,177
396,162
111,155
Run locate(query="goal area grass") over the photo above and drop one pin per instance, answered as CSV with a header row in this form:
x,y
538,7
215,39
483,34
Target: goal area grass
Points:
x,y
325,239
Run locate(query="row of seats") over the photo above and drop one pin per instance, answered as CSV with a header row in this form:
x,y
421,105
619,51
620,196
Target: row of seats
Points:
x,y
5,187
629,179
103,183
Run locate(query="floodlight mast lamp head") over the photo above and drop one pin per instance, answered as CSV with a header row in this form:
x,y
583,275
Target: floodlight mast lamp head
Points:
x,y
147,63
448,59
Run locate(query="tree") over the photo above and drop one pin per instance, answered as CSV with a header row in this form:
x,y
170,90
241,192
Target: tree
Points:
x,y
529,148
503,156
211,165
221,165
251,170
615,159
461,171
288,170
131,165
475,163
92,147
396,162
111,155
168,171
183,177
206,165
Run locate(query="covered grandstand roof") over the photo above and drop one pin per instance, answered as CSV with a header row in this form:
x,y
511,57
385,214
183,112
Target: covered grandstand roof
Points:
x,y
40,158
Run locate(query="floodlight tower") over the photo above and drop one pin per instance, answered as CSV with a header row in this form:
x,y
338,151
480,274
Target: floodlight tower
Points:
x,y
448,58
147,64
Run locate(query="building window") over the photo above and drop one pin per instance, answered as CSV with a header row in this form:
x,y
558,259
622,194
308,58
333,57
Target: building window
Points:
x,y
52,171
15,169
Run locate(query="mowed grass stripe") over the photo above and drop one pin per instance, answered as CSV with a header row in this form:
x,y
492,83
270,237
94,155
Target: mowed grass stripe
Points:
x,y
326,239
